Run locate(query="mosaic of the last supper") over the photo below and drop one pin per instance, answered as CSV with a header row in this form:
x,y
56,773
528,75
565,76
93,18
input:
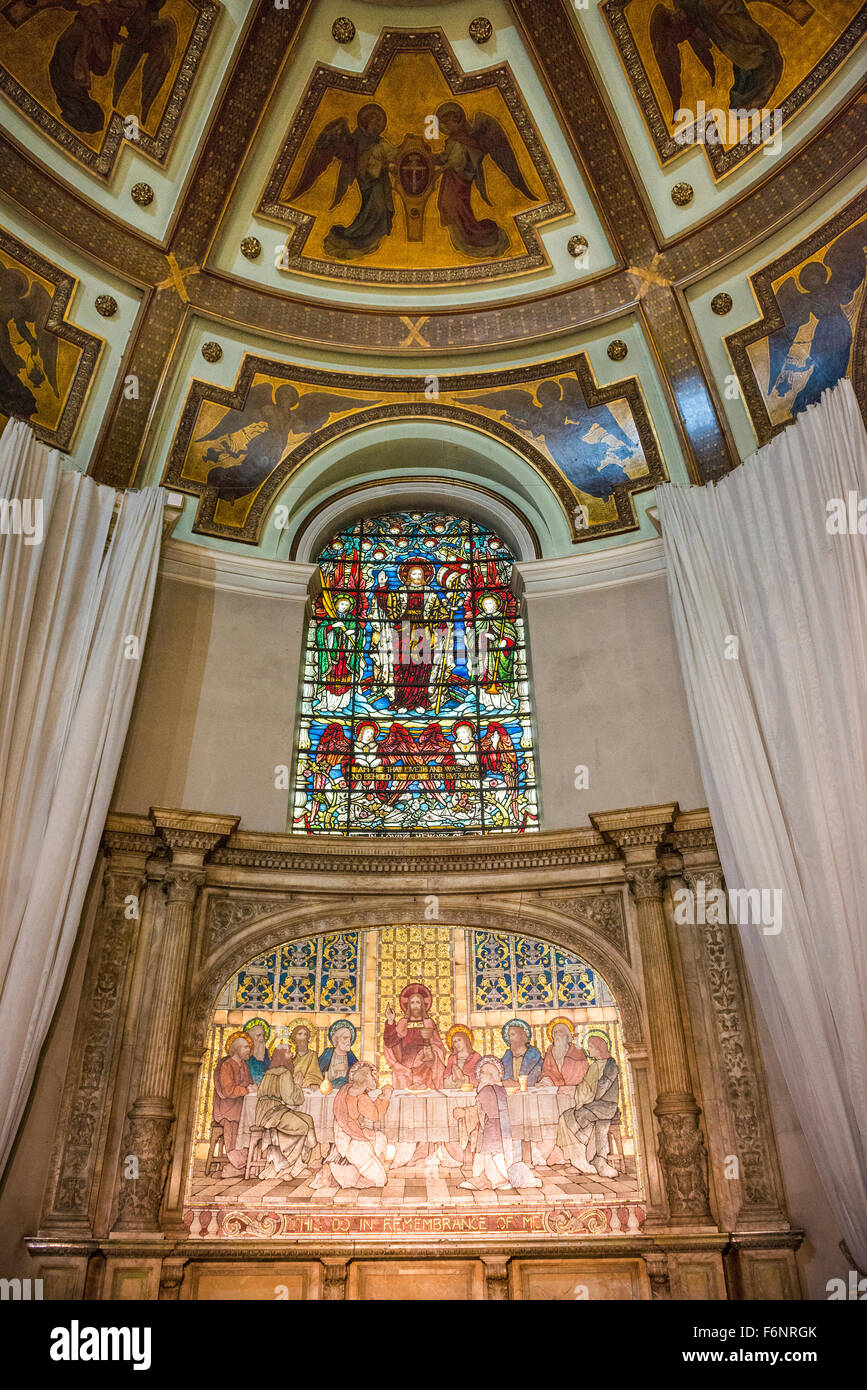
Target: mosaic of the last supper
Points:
x,y
414,1079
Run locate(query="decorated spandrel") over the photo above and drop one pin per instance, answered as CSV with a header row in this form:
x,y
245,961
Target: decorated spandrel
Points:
x,y
415,716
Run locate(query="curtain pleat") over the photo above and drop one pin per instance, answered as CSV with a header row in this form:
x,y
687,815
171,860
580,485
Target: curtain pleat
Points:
x,y
66,694
782,740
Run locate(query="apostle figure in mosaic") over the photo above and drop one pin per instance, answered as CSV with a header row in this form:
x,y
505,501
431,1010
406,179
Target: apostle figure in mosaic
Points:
x,y
339,640
417,609
463,1058
288,1134
357,1159
232,1082
258,1031
413,1044
494,1162
338,1059
564,1064
522,1057
582,1134
305,1064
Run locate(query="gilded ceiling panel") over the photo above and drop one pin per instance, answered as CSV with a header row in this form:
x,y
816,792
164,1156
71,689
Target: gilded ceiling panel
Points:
x,y
594,446
91,75
813,326
46,364
413,172
754,62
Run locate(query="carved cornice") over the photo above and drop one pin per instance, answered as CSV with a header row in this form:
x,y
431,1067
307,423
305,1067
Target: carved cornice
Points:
x,y
192,833
637,831
440,856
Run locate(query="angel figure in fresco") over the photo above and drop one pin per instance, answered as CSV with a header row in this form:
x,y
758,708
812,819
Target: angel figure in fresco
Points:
x,y
583,440
461,168
130,30
365,159
728,26
820,290
418,609
24,306
339,642
255,436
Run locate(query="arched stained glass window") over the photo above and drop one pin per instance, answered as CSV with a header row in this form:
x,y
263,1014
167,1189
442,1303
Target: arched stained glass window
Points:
x,y
415,711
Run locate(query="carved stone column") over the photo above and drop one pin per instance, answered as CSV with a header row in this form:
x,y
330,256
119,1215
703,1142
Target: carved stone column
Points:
x,y
147,1140
762,1204
682,1153
74,1173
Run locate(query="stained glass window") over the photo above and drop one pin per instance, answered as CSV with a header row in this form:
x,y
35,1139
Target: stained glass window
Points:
x,y
415,713
316,974
519,971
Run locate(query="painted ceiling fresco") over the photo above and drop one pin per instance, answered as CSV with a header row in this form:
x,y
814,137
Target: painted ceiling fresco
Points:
x,y
594,446
413,172
688,57
406,177
46,364
93,74
813,329
415,1079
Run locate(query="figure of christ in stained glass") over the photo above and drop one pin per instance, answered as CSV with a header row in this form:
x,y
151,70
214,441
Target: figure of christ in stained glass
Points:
x,y
415,643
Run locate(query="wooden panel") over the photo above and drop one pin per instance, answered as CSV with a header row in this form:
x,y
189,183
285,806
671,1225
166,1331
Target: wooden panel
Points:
x,y
263,1280
409,1280
769,1274
576,1280
697,1276
132,1279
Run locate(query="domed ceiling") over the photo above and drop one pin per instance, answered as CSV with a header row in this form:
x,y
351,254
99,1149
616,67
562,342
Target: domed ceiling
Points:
x,y
565,251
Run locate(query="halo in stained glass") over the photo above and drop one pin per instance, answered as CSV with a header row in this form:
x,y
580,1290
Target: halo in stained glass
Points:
x,y
415,712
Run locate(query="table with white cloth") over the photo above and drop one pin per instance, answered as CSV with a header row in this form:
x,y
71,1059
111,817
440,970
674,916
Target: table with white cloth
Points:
x,y
432,1116
318,1106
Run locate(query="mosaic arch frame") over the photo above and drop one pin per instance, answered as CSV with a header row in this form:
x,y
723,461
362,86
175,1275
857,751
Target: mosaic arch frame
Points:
x,y
252,1210
415,715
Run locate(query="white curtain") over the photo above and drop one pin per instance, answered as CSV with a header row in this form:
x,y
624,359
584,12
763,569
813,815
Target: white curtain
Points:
x,y
67,605
782,741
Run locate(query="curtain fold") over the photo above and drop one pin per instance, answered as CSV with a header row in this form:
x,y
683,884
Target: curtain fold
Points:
x,y
66,694
781,730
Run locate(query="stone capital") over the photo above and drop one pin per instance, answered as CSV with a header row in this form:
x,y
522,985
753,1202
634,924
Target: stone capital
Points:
x,y
646,881
183,883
